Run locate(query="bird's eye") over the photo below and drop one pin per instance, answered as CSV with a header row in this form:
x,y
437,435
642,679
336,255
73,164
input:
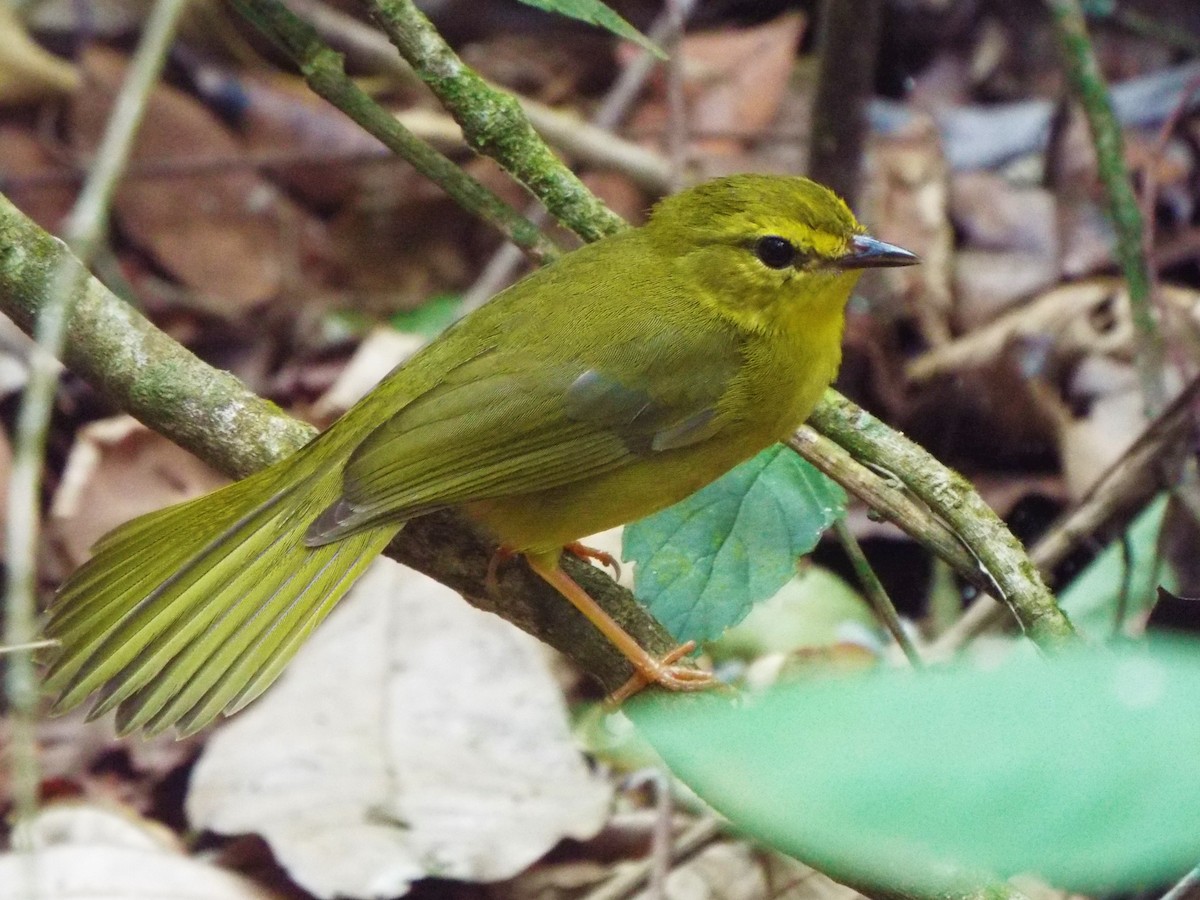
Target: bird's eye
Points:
x,y
775,252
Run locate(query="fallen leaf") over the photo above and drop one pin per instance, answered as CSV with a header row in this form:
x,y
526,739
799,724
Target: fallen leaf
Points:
x,y
412,736
34,180
380,352
27,72
735,80
725,871
223,232
72,851
1010,246
119,469
987,283
1115,418
906,201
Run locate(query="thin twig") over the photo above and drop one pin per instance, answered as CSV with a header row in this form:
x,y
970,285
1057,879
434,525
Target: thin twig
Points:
x,y
84,231
877,595
890,500
677,119
1187,888
29,647
1087,83
849,50
592,144
661,846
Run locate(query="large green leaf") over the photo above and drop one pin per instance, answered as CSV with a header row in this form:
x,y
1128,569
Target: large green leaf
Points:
x,y
1082,770
596,13
702,564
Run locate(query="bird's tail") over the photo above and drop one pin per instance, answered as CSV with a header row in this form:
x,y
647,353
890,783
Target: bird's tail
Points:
x,y
194,610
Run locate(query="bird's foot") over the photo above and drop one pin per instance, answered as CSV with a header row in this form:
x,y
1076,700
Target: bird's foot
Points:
x,y
666,675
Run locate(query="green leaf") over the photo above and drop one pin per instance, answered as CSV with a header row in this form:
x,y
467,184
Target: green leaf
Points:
x,y
1080,769
596,13
429,319
703,563
1131,568
814,609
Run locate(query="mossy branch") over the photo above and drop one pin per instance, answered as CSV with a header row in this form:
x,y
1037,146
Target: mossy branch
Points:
x,y
1000,555
493,121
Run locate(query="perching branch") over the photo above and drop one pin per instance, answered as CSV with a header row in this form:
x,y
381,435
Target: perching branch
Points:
x,y
1001,557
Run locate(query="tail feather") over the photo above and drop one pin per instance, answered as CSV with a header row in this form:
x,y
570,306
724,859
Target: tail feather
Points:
x,y
260,664
194,632
132,559
171,634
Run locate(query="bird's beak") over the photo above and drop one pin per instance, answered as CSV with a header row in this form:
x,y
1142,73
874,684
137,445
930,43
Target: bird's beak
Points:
x,y
868,253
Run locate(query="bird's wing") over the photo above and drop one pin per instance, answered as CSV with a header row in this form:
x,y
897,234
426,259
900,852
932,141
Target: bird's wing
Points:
x,y
507,422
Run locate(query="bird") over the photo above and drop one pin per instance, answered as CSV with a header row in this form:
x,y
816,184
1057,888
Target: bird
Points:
x,y
601,388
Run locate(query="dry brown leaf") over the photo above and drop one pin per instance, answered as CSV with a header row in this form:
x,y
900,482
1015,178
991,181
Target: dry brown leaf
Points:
x,y
31,178
226,232
73,851
401,239
118,469
27,72
987,283
279,114
1090,316
412,736
1010,245
735,81
380,352
1115,417
906,201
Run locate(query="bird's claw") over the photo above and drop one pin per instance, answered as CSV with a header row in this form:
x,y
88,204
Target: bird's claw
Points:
x,y
582,551
666,675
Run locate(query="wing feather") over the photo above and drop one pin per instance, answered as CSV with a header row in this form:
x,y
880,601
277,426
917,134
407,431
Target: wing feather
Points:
x,y
504,424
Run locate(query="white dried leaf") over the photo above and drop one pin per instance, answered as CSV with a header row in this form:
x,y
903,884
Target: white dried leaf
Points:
x,y
412,736
80,851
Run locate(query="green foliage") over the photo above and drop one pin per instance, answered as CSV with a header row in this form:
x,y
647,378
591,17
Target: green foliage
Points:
x,y
1127,571
431,318
596,13
705,562
1078,769
814,609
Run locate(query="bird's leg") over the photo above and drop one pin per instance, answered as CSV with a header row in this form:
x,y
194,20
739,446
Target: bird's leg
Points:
x,y
649,670
605,559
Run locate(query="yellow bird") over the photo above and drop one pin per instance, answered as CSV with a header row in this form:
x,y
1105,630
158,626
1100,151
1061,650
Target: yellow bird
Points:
x,y
596,391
